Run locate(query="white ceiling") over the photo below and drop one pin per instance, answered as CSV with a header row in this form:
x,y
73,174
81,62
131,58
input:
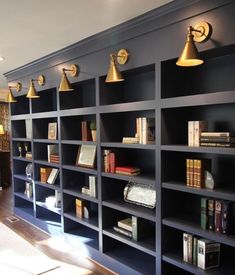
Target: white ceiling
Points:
x,y
31,29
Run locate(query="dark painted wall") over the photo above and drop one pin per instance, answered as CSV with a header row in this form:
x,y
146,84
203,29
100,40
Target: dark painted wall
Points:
x,y
158,35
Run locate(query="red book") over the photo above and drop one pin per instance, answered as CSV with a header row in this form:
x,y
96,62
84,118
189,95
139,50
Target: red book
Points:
x,y
112,162
218,216
86,132
128,169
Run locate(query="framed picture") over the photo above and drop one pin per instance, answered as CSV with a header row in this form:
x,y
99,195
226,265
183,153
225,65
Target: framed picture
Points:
x,y
52,130
86,156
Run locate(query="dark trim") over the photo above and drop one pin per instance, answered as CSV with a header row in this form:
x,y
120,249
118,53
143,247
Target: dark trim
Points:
x,y
161,17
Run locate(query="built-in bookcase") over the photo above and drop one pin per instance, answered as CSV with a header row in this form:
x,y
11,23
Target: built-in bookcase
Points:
x,y
165,93
202,93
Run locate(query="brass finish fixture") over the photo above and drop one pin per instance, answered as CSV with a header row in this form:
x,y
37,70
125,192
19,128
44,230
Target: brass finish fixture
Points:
x,y
2,132
65,85
114,74
32,93
10,96
190,56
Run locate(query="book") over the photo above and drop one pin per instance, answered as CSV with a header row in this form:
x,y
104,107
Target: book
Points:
x,y
130,140
187,247
86,191
112,162
212,139
126,224
80,208
228,217
195,241
127,170
217,144
92,186
211,214
52,176
86,132
122,231
148,130
190,133
199,126
106,161
217,134
218,216
188,172
44,173
204,213
28,128
208,254
139,228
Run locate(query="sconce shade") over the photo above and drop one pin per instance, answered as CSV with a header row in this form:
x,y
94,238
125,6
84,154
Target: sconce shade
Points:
x,y
1,130
114,74
65,85
32,93
10,96
189,56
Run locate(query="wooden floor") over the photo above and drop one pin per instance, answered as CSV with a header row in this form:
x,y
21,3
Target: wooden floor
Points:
x,y
41,240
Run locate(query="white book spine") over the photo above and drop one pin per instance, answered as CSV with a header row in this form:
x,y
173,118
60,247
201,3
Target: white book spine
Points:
x,y
185,247
190,133
201,253
92,186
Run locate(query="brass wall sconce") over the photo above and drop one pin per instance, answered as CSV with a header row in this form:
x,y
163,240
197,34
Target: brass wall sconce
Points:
x,y
190,56
114,74
32,93
65,85
10,96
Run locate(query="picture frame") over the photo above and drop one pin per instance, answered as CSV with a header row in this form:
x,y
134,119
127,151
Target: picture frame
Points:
x,y
86,156
52,130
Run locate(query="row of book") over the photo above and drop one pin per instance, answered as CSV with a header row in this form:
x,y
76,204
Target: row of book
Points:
x,y
195,172
198,135
218,215
82,209
48,174
194,131
200,252
91,189
217,139
145,131
111,164
132,227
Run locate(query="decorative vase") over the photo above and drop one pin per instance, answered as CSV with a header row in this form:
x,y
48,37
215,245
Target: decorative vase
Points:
x,y
93,134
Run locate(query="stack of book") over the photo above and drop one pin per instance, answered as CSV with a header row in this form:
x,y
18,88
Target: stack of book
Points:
x,y
127,170
218,215
52,153
202,253
217,139
81,209
194,131
91,190
86,132
195,172
133,227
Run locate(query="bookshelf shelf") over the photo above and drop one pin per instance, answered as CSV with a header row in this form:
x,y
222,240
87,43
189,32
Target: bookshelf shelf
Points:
x,y
186,225
138,179
80,169
53,209
146,246
76,192
23,196
132,209
124,145
176,259
46,185
91,222
216,193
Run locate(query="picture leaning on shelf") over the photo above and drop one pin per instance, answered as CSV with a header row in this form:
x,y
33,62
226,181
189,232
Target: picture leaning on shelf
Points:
x,y
86,156
52,130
